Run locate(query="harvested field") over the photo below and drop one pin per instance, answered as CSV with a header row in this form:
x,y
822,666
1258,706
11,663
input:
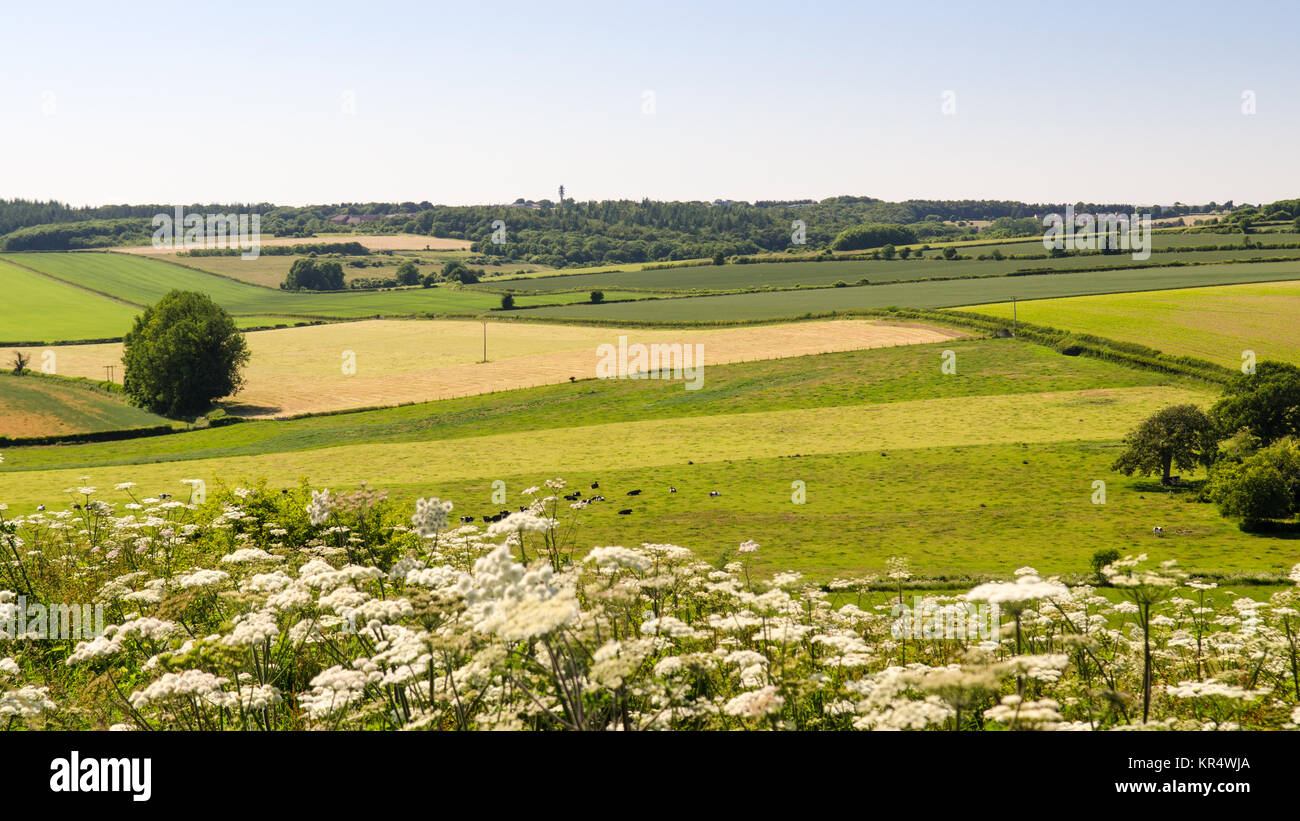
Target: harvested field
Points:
x,y
375,242
301,370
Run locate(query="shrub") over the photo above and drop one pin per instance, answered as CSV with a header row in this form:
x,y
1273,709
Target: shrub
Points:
x,y
597,297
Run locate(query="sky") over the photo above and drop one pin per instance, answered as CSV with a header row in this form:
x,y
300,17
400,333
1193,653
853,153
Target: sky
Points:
x,y
464,103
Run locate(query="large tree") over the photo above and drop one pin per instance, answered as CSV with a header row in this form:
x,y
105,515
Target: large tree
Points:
x,y
1266,402
1179,436
312,275
181,354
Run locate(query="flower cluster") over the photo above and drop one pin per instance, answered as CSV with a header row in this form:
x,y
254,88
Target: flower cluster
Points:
x,y
268,610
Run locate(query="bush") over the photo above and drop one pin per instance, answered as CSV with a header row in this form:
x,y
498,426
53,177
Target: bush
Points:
x,y
873,235
181,354
507,301
313,275
597,297
1103,557
408,273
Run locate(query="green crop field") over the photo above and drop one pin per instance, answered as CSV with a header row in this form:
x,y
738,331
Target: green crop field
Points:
x,y
932,294
140,280
1216,324
41,406
792,274
39,309
896,456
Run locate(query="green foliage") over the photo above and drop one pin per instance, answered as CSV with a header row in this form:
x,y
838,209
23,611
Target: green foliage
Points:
x,y
1180,436
1266,402
408,273
597,297
873,236
307,274
507,301
1263,486
719,259
1103,557
183,353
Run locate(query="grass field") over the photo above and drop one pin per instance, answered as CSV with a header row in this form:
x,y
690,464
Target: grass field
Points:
x,y
896,456
792,274
40,406
141,280
1216,324
36,308
300,370
941,294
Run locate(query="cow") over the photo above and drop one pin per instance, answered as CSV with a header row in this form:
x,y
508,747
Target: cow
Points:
x,y
625,511
1158,531
634,493
714,493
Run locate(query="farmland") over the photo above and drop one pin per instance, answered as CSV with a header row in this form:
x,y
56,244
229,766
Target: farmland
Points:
x,y
811,273
36,308
301,370
931,294
892,451
40,406
1215,324
54,311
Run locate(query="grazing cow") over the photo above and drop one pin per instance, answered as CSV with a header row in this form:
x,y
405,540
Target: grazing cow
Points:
x,y
714,493
672,490
466,519
625,511
1158,530
570,497
40,507
597,498
595,485
634,493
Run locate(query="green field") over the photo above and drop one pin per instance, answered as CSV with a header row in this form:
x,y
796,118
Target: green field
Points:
x,y
896,457
38,309
142,281
792,274
1216,324
933,294
42,406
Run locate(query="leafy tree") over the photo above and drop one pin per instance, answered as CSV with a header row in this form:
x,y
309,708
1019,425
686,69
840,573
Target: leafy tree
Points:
x,y
181,354
873,235
950,253
719,258
597,296
313,275
507,301
1264,485
430,280
1179,436
888,252
20,361
1266,402
905,252
408,273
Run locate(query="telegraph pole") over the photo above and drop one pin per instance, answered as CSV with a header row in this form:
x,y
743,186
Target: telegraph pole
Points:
x,y
1015,322
485,340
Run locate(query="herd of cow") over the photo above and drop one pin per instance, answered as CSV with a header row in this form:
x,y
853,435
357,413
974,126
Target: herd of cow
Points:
x,y
576,497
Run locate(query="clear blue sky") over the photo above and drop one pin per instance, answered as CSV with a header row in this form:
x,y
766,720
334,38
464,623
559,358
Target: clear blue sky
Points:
x,y
469,102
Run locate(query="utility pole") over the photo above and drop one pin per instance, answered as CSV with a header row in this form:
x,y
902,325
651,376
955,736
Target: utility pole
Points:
x,y
485,340
108,371
1015,322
